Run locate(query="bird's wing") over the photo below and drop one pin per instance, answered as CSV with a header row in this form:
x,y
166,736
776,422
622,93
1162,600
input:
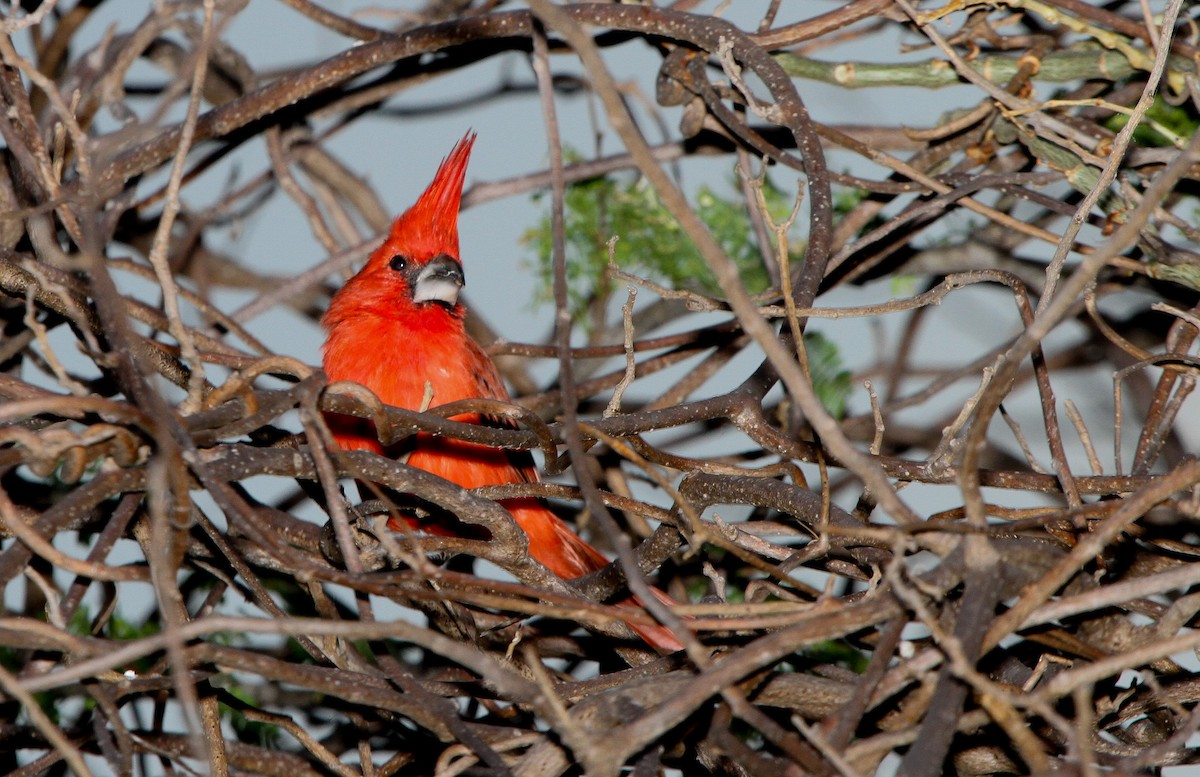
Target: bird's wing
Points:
x,y
491,386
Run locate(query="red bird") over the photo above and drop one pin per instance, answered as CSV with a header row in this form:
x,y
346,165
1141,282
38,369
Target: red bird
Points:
x,y
398,325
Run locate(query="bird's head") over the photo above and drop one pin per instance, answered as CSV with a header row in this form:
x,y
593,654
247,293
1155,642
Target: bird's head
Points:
x,y
418,264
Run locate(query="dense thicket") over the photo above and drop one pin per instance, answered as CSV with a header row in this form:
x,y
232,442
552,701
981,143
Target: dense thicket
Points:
x,y
913,456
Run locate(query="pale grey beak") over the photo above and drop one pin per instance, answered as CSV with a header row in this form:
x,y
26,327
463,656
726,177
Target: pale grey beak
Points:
x,y
440,280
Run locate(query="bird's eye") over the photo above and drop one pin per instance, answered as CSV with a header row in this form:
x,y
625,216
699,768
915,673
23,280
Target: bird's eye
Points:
x,y
399,262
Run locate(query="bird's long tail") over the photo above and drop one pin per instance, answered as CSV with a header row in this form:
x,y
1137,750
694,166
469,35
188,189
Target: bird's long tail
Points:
x,y
567,555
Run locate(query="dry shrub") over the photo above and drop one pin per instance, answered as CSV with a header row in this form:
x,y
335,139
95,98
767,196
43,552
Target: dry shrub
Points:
x,y
895,584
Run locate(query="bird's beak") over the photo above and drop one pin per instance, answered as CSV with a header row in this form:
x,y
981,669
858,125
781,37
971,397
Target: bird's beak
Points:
x,y
438,280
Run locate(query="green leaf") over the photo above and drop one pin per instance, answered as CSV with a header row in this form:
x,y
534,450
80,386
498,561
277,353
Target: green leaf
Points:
x,y
830,379
1183,274
650,241
1173,118
251,731
837,652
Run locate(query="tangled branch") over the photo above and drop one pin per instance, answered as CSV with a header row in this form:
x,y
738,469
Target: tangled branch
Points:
x,y
871,573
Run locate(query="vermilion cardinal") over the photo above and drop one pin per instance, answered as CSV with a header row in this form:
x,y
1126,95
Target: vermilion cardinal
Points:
x,y
397,326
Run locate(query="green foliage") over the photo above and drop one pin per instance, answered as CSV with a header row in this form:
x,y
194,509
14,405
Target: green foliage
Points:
x,y
830,379
838,652
121,629
650,242
80,623
1183,274
1173,118
846,200
827,651
903,284
251,731
125,630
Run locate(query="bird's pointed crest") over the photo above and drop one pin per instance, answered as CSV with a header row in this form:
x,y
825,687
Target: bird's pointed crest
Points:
x,y
430,226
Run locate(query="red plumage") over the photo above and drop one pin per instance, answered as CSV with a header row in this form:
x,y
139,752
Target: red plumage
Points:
x,y
397,326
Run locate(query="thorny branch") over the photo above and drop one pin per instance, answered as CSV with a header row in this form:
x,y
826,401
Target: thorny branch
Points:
x,y
866,579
